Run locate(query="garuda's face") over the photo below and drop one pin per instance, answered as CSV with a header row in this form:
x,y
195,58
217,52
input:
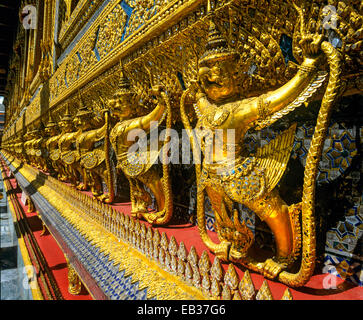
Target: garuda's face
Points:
x,y
36,135
66,126
81,122
51,131
121,107
219,79
77,122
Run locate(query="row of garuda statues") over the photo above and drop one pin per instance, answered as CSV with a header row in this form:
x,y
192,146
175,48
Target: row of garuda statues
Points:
x,y
76,155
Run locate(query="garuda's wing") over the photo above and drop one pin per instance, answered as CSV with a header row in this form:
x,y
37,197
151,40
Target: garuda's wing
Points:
x,y
274,156
303,97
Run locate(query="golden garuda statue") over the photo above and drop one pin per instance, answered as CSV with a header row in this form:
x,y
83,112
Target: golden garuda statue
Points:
x,y
51,146
31,147
68,154
28,137
94,160
40,151
138,166
19,148
229,174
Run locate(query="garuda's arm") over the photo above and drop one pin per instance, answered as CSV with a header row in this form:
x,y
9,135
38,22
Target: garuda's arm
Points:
x,y
97,134
156,115
159,111
267,108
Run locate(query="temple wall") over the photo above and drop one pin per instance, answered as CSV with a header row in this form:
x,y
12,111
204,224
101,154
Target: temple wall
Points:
x,y
84,45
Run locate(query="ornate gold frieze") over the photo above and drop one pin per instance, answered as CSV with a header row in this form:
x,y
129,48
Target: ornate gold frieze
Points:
x,y
91,67
76,20
33,110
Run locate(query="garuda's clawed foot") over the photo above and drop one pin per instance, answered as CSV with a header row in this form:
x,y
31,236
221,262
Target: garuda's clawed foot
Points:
x,y
222,250
154,217
108,200
105,198
137,214
272,268
97,196
102,197
82,187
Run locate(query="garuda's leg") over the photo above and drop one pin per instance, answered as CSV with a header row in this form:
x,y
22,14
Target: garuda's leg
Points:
x,y
83,185
282,220
74,175
140,198
236,236
62,175
132,196
152,180
102,175
95,183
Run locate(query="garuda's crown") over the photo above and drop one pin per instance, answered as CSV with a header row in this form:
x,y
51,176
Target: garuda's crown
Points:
x,y
217,47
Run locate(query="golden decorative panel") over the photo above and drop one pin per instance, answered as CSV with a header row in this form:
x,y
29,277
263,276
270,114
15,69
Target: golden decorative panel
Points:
x,y
33,111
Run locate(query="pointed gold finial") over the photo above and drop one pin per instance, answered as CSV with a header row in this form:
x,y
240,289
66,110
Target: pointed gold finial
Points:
x,y
217,46
206,284
124,85
122,219
246,287
287,295
231,277
167,260
264,293
137,227
188,273
173,264
122,70
164,241
155,252
215,288
237,296
216,269
226,292
67,115
181,268
149,234
173,246
161,256
193,257
127,221
182,252
132,224
204,263
196,277
156,238
143,231
51,122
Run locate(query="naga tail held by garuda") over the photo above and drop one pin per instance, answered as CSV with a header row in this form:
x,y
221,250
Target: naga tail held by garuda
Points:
x,y
331,94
